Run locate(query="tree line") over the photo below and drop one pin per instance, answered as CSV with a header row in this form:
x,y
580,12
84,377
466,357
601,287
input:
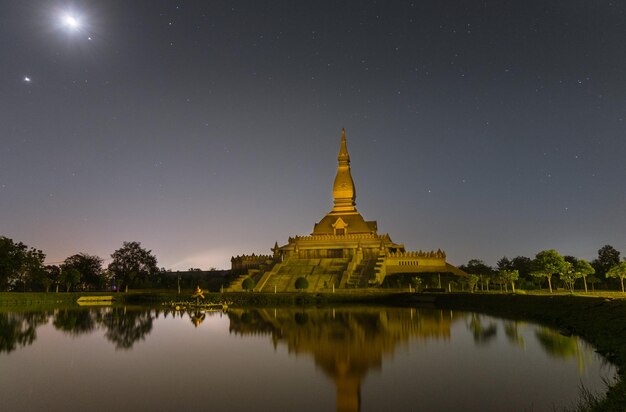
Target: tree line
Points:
x,y
22,268
546,269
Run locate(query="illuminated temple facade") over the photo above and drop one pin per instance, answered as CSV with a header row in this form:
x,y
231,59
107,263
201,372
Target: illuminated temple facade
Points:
x,y
344,250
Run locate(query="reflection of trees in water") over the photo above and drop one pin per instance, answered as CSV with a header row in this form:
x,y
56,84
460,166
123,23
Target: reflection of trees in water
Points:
x,y
19,329
482,333
556,345
126,327
511,330
563,347
122,327
75,322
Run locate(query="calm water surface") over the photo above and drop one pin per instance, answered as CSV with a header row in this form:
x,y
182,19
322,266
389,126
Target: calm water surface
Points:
x,y
347,359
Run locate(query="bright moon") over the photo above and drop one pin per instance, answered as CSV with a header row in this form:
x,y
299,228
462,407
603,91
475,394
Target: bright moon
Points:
x,y
70,21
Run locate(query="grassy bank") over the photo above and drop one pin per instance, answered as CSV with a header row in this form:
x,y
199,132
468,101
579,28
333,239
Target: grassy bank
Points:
x,y
33,301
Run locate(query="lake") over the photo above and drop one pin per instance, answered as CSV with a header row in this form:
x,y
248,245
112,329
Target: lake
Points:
x,y
306,359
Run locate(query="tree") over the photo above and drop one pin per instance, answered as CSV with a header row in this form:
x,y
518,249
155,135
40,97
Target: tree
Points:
x,y
593,280
133,264
302,283
568,276
70,277
584,269
89,267
19,264
416,281
479,268
547,263
509,276
618,271
53,275
247,284
31,269
472,281
608,257
11,258
523,265
504,264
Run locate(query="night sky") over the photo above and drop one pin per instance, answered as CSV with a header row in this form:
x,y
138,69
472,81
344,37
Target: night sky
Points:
x,y
211,128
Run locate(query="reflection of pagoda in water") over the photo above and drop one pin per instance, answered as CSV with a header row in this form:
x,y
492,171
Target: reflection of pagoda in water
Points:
x,y
343,251
345,343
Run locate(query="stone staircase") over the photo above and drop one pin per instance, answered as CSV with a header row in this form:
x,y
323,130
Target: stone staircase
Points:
x,y
362,273
320,273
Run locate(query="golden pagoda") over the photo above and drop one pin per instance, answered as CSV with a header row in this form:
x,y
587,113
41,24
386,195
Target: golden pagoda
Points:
x,y
344,250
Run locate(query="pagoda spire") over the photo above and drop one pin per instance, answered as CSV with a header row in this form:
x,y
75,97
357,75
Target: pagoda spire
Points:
x,y
344,193
344,156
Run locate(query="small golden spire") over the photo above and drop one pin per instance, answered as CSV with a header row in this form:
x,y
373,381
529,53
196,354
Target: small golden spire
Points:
x,y
343,149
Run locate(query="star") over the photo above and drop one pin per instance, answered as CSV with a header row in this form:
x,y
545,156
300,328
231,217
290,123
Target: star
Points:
x,y
27,79
71,22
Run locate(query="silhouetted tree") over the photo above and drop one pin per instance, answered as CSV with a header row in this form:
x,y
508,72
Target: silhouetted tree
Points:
x,y
504,264
52,275
89,267
69,277
523,265
133,264
608,257
19,265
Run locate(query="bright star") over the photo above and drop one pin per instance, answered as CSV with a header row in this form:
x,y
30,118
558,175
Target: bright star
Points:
x,y
27,79
71,22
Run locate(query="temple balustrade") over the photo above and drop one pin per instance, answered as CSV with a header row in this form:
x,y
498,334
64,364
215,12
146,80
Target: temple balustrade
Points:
x,y
245,262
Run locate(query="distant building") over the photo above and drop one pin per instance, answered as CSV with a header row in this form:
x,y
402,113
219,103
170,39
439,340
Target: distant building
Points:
x,y
344,250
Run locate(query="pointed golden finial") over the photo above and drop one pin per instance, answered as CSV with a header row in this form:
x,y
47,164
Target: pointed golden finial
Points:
x,y
343,149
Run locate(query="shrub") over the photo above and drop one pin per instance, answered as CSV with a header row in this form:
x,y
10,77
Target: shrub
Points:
x,y
247,284
302,283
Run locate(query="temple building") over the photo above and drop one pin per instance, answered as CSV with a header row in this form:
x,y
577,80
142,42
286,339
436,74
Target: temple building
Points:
x,y
344,250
